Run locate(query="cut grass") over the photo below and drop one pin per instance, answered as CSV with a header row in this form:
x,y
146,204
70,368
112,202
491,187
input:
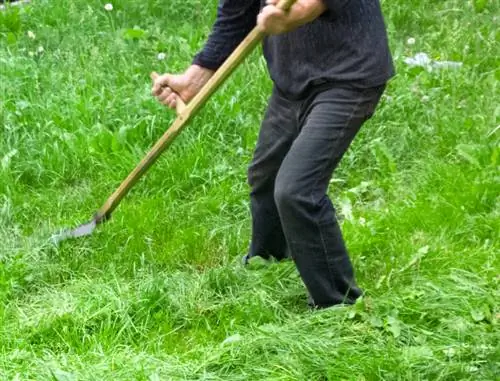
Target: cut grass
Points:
x,y
158,292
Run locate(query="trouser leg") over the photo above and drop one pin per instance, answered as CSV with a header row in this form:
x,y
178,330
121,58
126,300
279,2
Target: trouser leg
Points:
x,y
278,130
306,213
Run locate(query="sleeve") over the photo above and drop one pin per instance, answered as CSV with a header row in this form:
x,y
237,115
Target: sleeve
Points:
x,y
235,19
335,5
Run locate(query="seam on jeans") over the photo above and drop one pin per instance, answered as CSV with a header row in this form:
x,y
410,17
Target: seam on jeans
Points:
x,y
354,110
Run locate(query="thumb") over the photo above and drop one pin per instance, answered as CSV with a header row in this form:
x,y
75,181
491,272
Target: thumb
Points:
x,y
159,82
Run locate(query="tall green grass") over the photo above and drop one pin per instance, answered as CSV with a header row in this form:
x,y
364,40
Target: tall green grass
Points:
x,y
158,292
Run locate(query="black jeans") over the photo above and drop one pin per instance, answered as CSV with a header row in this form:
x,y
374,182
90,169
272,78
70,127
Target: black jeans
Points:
x,y
300,144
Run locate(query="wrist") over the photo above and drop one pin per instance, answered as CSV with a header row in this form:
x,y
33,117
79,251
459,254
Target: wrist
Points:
x,y
199,73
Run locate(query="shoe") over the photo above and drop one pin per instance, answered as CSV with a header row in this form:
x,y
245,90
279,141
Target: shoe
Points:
x,y
310,301
255,262
313,306
245,260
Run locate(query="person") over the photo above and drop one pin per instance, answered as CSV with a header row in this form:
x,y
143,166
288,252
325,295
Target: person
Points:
x,y
329,62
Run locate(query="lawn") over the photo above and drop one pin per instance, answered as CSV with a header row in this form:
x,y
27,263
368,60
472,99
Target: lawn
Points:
x,y
158,292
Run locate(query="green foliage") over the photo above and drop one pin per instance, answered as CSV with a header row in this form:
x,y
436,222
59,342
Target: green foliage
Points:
x,y
158,293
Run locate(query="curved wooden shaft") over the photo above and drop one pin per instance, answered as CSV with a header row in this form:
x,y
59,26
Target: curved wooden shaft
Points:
x,y
184,116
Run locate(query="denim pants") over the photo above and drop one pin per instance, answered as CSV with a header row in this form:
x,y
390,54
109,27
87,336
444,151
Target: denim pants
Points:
x,y
300,144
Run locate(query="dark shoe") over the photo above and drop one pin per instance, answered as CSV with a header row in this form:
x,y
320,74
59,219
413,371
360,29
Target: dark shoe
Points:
x,y
314,306
245,259
255,262
310,301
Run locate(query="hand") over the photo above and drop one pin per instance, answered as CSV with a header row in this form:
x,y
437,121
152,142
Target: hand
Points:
x,y
168,87
272,20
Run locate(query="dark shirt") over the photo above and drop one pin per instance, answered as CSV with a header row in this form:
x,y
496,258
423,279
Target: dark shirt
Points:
x,y
346,45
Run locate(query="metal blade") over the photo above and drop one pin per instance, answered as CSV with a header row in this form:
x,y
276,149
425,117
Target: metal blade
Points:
x,y
79,231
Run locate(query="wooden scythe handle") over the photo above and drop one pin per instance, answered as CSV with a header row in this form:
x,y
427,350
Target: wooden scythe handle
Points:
x,y
185,114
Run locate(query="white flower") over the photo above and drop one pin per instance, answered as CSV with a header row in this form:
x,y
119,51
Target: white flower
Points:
x,y
423,60
420,59
472,369
161,56
31,35
40,49
232,339
31,54
411,41
449,352
108,7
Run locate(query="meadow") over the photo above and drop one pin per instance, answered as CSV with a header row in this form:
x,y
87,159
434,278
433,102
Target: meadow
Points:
x,y
158,292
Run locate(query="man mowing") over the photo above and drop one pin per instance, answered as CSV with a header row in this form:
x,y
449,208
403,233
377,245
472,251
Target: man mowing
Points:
x,y
329,61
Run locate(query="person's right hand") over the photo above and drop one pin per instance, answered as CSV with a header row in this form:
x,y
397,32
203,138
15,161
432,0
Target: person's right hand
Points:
x,y
168,87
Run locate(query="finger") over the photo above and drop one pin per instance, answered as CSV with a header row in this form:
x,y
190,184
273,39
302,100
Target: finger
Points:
x,y
167,91
260,22
153,75
263,19
272,10
161,82
269,18
272,2
173,104
171,100
272,15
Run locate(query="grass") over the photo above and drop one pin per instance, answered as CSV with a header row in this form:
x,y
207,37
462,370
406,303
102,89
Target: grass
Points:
x,y
158,293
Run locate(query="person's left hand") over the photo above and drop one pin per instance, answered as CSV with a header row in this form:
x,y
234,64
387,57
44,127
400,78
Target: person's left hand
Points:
x,y
272,20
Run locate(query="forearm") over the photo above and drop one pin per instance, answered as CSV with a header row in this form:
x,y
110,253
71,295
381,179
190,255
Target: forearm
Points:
x,y
235,19
273,20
